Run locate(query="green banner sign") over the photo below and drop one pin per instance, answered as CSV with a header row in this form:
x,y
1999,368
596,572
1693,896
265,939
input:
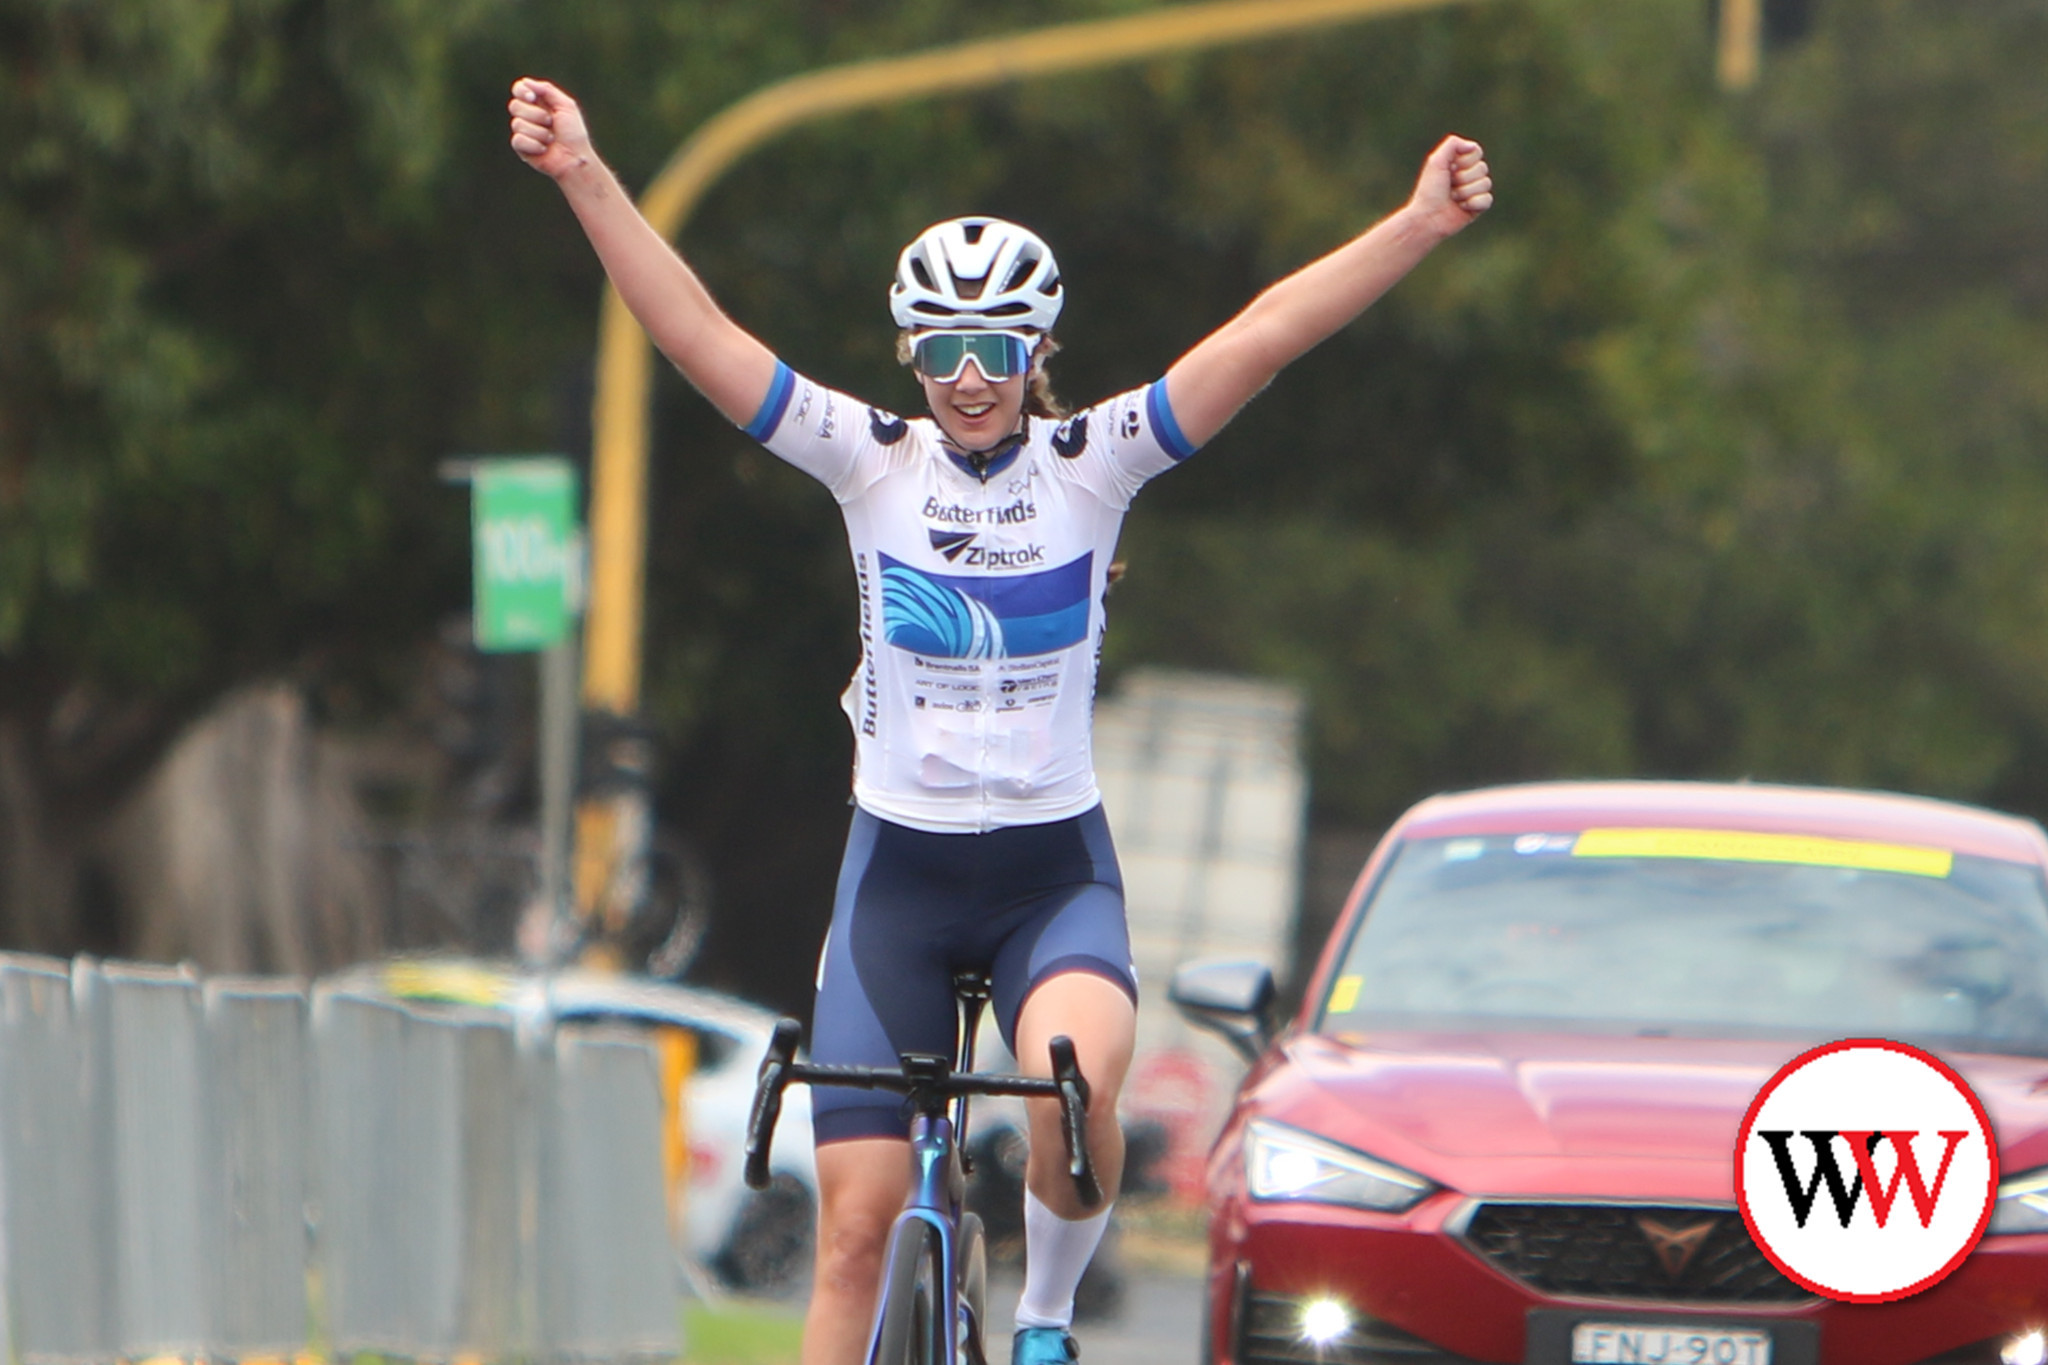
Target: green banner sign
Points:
x,y
523,514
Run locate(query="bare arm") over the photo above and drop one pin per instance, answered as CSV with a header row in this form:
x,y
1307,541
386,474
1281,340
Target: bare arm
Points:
x,y
1210,383
728,364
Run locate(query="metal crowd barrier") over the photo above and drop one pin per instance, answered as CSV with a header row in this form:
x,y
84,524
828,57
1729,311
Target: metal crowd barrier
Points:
x,y
256,1042
59,1286
180,1159
420,1116
603,1153
148,1020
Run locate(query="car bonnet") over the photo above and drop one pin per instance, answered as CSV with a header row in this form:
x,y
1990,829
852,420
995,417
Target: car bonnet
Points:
x,y
1548,1111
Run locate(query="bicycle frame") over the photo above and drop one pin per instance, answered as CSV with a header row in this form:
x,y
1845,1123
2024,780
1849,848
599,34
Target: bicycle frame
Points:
x,y
937,1199
938,1184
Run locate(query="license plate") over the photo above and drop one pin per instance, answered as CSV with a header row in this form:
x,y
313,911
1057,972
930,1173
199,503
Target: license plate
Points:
x,y
1622,1343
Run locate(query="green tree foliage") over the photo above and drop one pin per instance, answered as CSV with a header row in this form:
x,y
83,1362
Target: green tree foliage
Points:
x,y
1803,330
1830,568
252,286
1713,450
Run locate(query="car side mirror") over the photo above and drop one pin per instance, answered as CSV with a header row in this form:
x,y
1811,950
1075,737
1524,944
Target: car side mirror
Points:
x,y
1231,999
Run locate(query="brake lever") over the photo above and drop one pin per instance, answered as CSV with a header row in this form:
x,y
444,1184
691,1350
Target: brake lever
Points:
x,y
1073,1088
774,1074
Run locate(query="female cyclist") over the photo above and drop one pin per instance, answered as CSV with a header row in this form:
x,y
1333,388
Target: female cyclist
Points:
x,y
981,541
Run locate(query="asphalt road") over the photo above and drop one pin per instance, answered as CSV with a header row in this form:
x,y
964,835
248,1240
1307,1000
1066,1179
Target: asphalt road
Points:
x,y
1160,1322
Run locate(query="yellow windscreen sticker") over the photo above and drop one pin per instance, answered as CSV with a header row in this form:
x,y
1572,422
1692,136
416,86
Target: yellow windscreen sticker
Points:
x,y
1737,847
1344,994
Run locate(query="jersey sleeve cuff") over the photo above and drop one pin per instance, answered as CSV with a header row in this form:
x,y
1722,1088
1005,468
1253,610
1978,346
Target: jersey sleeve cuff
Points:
x,y
774,405
1160,411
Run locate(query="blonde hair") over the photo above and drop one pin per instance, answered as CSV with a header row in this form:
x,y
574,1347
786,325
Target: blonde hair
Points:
x,y
1039,399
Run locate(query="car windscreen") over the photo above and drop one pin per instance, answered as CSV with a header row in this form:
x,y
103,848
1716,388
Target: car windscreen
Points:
x,y
1701,934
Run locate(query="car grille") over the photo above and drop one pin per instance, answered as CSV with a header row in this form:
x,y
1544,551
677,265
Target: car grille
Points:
x,y
1272,1336
1610,1251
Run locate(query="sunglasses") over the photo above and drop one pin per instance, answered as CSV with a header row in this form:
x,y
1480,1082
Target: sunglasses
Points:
x,y
944,355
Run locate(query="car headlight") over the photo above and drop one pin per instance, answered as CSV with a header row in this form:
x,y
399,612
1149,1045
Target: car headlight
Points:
x,y
2022,1204
1283,1163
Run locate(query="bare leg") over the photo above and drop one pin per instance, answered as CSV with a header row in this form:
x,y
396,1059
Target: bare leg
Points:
x,y
861,1188
1101,1020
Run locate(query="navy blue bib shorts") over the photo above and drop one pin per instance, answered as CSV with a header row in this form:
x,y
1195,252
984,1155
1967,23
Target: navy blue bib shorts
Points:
x,y
1023,903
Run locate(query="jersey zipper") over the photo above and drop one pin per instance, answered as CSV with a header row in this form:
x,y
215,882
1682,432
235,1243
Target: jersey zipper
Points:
x,y
981,776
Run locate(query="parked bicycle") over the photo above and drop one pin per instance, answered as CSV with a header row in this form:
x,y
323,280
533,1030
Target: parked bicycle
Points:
x,y
933,1302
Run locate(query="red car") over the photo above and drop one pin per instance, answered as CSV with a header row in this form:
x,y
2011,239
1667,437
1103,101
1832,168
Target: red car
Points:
x,y
1503,1125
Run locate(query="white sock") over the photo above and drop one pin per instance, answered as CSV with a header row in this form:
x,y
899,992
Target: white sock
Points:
x,y
1056,1252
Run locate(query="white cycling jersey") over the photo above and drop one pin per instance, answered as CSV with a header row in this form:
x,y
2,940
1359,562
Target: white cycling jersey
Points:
x,y
981,595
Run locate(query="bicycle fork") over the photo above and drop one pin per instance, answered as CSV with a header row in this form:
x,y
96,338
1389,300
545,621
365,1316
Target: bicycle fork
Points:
x,y
938,1201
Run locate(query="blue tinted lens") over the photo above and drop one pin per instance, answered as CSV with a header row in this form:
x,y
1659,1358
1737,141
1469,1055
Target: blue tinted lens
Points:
x,y
943,355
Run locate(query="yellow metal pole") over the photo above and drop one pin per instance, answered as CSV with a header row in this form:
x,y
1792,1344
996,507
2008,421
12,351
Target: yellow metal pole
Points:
x,y
618,517
1737,59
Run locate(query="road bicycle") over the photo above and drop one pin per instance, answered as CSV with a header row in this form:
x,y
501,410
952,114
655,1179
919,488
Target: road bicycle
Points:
x,y
934,1288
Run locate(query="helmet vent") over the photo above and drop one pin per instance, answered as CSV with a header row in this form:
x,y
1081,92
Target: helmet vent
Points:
x,y
1021,274
924,276
972,232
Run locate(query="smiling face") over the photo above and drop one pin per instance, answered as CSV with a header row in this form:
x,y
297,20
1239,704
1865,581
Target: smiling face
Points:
x,y
974,411
979,383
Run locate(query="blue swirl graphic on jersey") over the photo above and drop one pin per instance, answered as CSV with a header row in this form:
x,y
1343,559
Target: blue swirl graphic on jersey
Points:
x,y
922,615
952,617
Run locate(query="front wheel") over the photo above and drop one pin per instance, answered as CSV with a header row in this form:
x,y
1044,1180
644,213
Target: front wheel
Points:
x,y
973,1291
910,1332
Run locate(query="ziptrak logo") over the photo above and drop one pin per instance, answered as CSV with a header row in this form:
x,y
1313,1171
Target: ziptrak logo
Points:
x,y
1866,1170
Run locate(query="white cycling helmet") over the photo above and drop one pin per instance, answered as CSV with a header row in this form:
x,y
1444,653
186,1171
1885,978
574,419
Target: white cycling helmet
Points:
x,y
976,272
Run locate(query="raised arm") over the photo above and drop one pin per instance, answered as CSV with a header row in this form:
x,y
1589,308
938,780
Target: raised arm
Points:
x,y
728,364
1225,369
